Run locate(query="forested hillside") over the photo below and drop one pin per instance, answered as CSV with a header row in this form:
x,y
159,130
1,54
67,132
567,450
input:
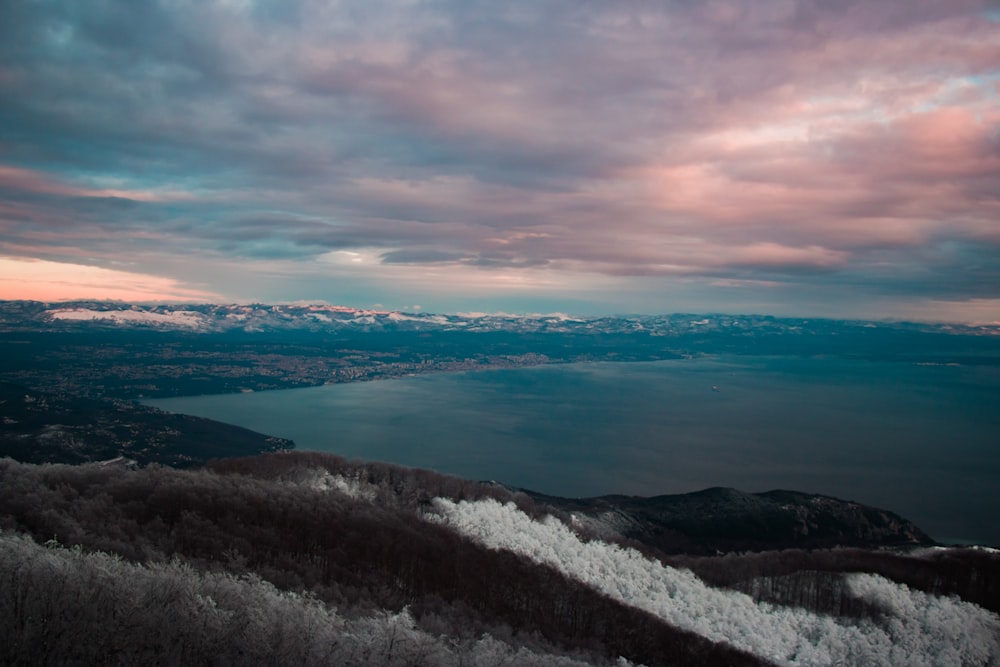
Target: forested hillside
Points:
x,y
58,427
726,520
306,558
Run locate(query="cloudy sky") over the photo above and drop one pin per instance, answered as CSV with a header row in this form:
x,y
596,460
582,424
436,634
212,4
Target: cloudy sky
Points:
x,y
801,157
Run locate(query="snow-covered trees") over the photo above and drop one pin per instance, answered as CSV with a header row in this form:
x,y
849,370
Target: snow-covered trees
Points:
x,y
915,628
359,553
333,544
65,606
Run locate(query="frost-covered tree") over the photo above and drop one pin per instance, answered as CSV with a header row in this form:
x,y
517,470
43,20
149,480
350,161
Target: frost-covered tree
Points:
x,y
915,628
65,606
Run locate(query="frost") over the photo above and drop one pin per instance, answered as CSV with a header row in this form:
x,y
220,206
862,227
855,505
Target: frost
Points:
x,y
98,609
182,318
353,488
919,629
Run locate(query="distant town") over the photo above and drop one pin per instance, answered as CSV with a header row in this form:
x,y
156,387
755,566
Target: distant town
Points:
x,y
125,351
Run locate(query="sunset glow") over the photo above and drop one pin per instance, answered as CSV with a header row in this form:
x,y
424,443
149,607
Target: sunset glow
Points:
x,y
807,157
39,280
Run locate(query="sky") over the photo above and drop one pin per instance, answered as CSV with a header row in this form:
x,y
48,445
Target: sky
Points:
x,y
791,157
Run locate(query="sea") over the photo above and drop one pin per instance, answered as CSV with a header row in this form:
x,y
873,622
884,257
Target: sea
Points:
x,y
921,440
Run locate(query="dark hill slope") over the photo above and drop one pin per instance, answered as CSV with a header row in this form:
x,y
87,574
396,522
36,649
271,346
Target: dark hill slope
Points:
x,y
50,427
274,518
723,520
352,534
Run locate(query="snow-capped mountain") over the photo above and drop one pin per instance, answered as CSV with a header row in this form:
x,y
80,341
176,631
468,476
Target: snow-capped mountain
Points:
x,y
263,317
255,318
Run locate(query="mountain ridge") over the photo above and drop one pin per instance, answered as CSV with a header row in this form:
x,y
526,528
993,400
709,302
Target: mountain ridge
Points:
x,y
723,519
47,427
259,318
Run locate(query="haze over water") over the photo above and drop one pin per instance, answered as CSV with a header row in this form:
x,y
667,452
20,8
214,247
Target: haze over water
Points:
x,y
921,441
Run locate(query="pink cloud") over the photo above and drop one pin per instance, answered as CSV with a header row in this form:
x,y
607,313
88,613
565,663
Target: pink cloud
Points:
x,y
734,141
42,280
781,256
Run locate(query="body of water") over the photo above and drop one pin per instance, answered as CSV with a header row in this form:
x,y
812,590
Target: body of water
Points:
x,y
923,441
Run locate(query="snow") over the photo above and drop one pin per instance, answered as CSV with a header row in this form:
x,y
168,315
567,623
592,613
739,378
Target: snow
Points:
x,y
431,319
927,552
177,318
919,629
352,488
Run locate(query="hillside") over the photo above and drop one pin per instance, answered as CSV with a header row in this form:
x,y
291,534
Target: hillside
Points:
x,y
723,520
50,427
428,565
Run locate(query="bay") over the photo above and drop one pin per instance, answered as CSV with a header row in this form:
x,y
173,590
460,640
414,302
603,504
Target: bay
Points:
x,y
923,441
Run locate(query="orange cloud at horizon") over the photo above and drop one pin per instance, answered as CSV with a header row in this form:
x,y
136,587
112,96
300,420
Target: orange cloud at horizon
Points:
x,y
33,279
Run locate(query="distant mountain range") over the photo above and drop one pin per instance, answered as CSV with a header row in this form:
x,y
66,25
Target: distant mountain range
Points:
x,y
257,318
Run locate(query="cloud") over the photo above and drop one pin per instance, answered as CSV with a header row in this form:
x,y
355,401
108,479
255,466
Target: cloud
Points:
x,y
419,256
41,280
780,256
845,146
